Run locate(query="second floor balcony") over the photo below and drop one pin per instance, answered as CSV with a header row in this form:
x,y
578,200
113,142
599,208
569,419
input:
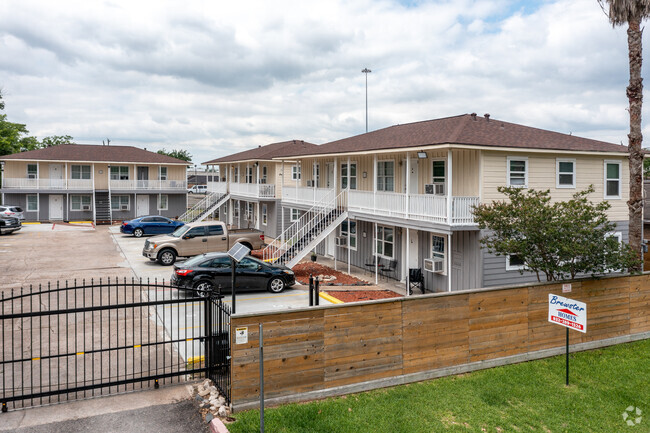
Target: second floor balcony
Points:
x,y
46,184
253,190
132,184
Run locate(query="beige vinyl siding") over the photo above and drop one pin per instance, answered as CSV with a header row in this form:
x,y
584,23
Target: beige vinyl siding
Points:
x,y
174,172
542,175
15,170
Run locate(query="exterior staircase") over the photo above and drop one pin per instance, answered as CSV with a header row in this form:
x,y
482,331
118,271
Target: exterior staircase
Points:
x,y
205,207
103,213
310,230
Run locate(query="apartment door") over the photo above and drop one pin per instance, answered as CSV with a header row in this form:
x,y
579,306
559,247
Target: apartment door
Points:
x,y
56,207
56,176
413,177
143,177
330,175
142,206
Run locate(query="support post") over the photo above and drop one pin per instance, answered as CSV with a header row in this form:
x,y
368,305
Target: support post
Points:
x,y
374,248
261,377
567,356
233,265
408,260
311,290
316,292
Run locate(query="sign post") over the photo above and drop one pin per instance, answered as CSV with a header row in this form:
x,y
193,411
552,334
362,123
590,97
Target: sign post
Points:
x,y
236,253
570,314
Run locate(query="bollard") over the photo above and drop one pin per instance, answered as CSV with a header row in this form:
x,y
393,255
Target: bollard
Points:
x,y
316,295
311,290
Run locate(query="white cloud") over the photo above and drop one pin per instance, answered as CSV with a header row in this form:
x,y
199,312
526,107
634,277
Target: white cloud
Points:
x,y
215,78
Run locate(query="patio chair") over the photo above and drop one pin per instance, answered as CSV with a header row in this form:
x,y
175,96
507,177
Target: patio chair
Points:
x,y
392,266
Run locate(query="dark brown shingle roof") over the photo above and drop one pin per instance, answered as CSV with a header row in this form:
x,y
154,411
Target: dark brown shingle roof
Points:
x,y
94,153
465,130
270,151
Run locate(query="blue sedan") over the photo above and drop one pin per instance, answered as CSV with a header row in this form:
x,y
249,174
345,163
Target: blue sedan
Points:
x,y
149,225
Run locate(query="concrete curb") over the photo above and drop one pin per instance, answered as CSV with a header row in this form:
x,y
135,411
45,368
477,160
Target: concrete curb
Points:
x,y
217,426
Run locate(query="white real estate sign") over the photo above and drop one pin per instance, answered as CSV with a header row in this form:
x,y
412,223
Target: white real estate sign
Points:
x,y
567,312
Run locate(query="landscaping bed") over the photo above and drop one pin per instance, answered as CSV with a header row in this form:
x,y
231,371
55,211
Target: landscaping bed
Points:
x,y
329,276
362,295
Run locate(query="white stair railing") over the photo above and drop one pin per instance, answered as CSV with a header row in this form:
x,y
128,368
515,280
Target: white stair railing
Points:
x,y
201,207
297,236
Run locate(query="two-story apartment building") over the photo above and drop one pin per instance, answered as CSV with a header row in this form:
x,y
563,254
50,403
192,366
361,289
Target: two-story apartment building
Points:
x,y
96,183
250,185
402,197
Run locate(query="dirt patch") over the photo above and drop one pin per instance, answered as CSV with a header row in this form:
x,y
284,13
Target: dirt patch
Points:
x,y
363,295
329,276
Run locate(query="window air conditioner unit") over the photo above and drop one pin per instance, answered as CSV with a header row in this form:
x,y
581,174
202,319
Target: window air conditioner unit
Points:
x,y
85,207
341,241
434,265
124,207
309,183
434,188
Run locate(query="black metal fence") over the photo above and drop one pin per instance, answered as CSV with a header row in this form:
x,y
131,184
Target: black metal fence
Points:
x,y
63,342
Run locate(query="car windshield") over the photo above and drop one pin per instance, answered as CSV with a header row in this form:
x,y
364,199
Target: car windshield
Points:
x,y
180,231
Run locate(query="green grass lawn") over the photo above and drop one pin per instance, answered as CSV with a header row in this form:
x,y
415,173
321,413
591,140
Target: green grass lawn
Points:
x,y
526,397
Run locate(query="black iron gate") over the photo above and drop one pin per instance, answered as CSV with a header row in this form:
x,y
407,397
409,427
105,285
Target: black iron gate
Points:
x,y
62,342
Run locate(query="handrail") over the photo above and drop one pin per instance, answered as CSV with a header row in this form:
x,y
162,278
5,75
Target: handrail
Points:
x,y
202,206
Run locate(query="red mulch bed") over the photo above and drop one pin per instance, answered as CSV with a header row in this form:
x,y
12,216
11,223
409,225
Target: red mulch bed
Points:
x,y
363,295
304,269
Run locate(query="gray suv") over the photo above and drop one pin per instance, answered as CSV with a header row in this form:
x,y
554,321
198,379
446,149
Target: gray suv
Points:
x,y
9,225
11,211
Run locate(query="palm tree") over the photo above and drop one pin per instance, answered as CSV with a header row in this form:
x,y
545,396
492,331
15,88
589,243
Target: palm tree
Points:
x,y
633,12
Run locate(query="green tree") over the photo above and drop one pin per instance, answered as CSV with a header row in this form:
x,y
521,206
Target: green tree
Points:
x,y
55,140
558,240
13,136
181,154
632,12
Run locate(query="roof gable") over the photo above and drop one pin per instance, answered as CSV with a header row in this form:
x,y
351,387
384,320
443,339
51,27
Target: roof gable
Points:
x,y
94,153
268,152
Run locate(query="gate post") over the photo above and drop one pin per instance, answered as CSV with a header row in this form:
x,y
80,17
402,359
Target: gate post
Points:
x,y
207,313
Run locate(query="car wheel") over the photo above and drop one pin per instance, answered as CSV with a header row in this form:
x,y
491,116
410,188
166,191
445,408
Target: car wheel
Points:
x,y
138,233
276,285
166,257
203,288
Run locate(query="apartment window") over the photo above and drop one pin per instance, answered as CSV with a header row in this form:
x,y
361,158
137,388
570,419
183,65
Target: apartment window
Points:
x,y
163,202
514,263
32,171
438,177
295,215
163,173
80,172
350,233
120,202
264,174
612,179
236,209
249,174
438,249
353,175
518,172
385,241
32,203
235,176
295,172
120,172
316,175
264,214
386,176
250,212
566,173
80,202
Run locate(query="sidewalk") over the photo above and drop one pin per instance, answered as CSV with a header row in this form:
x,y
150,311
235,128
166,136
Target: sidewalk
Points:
x,y
168,409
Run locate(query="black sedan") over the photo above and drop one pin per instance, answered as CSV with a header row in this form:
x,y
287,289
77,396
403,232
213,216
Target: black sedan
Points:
x,y
212,271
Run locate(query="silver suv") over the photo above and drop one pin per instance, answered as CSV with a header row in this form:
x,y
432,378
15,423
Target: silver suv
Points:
x,y
11,211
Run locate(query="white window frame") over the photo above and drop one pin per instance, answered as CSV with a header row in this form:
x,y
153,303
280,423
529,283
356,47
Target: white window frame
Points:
x,y
80,172
248,176
160,200
382,229
433,178
27,209
119,172
351,236
119,202
265,214
296,172
619,180
517,158
510,267
162,176
384,161
436,254
250,212
235,174
81,202
33,175
294,214
558,173
344,175
264,174
235,209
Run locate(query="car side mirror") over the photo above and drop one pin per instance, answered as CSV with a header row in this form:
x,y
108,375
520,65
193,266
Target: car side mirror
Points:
x,y
188,236
259,267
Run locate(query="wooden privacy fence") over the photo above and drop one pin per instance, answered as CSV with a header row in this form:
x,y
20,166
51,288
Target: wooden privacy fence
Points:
x,y
350,347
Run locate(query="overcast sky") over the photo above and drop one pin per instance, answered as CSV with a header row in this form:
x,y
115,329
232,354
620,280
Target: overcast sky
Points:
x,y
218,77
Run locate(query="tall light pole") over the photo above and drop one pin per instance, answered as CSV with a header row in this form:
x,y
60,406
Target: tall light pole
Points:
x,y
366,71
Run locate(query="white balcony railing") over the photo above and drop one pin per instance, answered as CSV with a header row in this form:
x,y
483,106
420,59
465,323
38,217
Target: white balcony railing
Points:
x,y
256,190
219,187
148,184
21,183
421,207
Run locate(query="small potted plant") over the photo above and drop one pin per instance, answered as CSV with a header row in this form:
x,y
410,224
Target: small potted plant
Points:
x,y
313,256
